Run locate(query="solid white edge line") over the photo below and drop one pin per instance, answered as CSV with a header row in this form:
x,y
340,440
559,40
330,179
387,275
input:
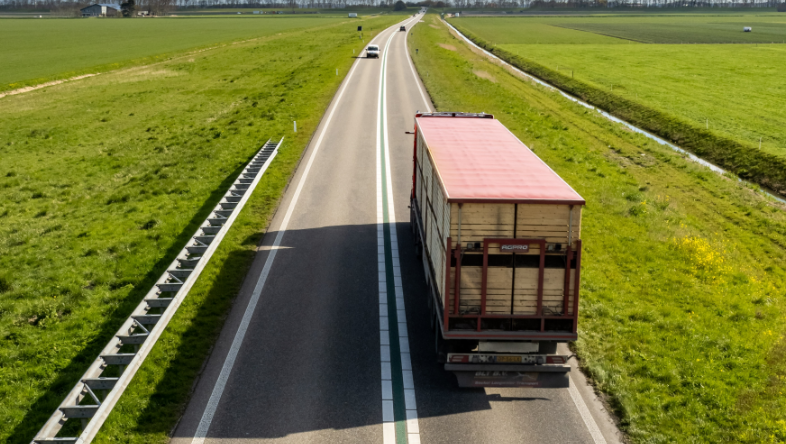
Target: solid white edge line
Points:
x,y
414,74
581,406
411,420
388,418
229,362
589,421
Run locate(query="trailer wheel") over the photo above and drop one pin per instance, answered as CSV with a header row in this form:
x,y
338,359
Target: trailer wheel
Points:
x,y
418,250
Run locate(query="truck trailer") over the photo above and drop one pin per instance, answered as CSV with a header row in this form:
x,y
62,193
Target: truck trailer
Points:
x,y
499,234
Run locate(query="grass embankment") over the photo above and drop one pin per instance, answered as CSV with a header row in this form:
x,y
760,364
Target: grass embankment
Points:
x,y
682,304
37,51
708,99
102,182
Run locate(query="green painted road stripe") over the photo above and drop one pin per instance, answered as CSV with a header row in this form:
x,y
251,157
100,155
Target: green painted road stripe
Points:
x,y
399,412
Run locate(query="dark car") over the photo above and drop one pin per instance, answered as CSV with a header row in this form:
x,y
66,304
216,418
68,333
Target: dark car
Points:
x,y
403,28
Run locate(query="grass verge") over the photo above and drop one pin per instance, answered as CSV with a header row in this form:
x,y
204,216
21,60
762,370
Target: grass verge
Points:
x,y
38,51
104,180
748,162
682,305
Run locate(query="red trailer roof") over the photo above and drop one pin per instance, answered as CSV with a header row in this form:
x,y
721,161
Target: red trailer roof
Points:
x,y
479,160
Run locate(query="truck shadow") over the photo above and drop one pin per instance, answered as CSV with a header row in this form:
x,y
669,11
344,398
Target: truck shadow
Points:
x,y
310,360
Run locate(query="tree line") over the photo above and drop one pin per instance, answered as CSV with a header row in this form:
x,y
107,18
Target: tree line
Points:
x,y
161,7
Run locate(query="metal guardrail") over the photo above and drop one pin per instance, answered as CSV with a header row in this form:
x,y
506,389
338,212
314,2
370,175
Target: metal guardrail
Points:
x,y
143,328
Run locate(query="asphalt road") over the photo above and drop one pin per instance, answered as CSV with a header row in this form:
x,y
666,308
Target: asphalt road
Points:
x,y
299,358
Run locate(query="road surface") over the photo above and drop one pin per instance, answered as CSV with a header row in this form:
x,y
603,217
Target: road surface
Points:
x,y
329,339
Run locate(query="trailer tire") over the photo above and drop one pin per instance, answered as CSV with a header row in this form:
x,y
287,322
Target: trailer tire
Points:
x,y
418,250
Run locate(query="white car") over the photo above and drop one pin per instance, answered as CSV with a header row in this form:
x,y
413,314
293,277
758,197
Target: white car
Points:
x,y
372,51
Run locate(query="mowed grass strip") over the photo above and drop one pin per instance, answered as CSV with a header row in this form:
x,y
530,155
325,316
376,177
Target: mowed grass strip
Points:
x,y
682,307
532,31
714,87
104,180
743,158
36,51
701,30
719,88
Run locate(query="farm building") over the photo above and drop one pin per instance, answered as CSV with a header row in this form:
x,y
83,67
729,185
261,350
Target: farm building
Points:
x,y
101,10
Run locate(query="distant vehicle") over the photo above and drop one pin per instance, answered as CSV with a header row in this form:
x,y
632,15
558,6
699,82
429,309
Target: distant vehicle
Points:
x,y
239,13
747,29
403,28
353,15
498,233
372,51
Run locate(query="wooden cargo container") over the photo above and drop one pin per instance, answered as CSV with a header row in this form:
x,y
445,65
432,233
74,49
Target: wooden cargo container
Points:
x,y
500,232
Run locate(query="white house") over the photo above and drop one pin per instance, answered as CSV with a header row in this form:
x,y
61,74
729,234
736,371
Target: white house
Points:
x,y
101,10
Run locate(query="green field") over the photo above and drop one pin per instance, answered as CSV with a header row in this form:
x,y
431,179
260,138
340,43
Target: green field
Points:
x,y
103,180
707,30
34,51
732,90
682,309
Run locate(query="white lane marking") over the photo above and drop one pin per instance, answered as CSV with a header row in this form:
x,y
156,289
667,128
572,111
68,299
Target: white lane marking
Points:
x,y
417,79
413,429
411,421
586,416
589,421
229,362
388,418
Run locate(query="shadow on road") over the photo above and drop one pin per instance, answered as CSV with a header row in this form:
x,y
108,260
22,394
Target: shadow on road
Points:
x,y
310,359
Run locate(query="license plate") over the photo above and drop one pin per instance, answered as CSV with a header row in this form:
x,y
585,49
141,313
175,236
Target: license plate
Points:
x,y
509,359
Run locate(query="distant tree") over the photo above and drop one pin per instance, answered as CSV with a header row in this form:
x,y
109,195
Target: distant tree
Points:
x,y
400,6
158,7
128,7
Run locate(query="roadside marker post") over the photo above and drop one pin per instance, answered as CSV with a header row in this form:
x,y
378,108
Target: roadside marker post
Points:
x,y
295,122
